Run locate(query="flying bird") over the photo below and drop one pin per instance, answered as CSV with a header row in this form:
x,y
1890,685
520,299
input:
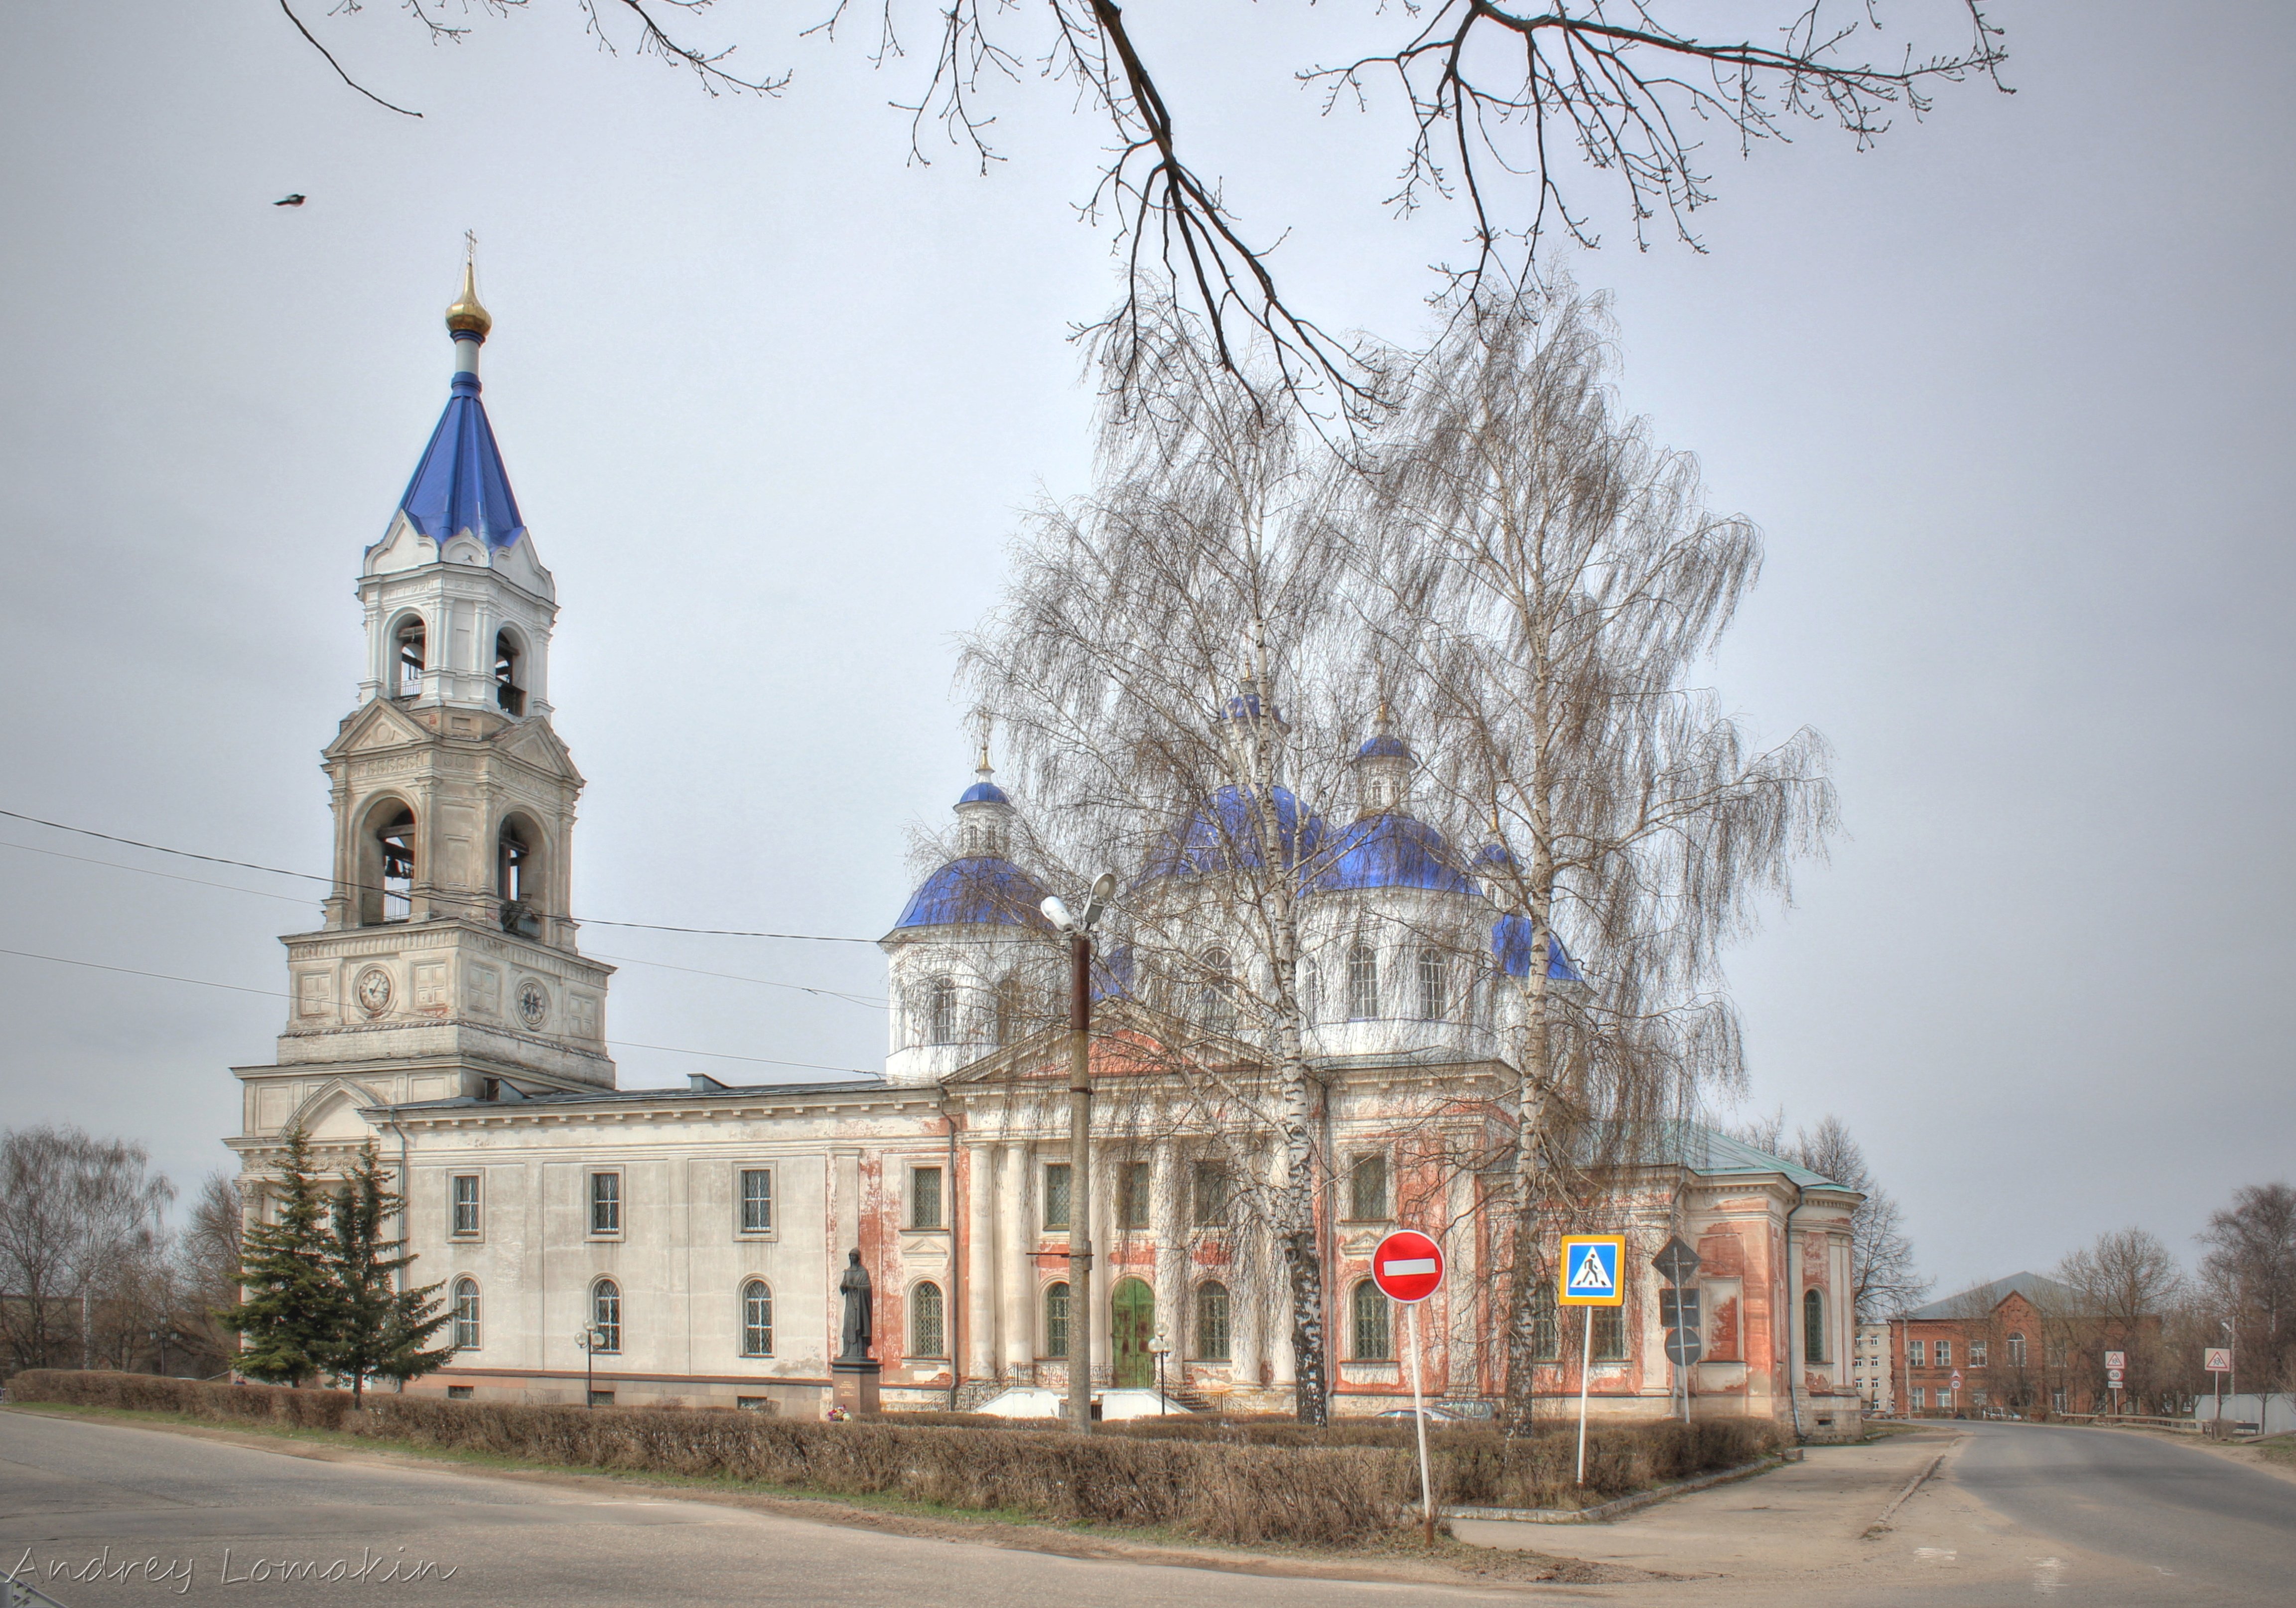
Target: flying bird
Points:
x,y
289,200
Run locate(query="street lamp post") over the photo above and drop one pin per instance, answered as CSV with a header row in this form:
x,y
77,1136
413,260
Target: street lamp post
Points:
x,y
1080,934
1161,1346
589,1340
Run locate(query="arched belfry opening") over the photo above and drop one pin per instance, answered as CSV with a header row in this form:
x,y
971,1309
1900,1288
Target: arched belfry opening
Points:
x,y
408,644
386,864
518,876
510,674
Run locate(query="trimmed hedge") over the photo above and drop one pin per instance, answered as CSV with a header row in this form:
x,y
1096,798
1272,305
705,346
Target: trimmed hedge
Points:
x,y
1243,1483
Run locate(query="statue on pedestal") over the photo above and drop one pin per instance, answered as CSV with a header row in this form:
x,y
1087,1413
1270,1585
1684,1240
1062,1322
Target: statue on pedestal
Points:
x,y
858,1329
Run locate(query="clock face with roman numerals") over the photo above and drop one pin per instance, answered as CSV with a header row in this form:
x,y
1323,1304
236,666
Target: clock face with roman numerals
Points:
x,y
533,1002
373,990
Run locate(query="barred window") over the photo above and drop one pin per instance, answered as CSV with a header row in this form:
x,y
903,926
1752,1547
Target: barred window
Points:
x,y
756,1200
1374,1337
926,1332
606,1316
757,1319
1368,1188
605,1202
1056,1194
466,1205
1056,1319
1216,996
466,1315
1812,1328
924,1197
1134,1194
1610,1333
1546,1325
1214,1191
1211,1322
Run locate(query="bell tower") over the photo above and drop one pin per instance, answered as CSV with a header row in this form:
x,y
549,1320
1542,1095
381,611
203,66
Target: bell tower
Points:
x,y
448,963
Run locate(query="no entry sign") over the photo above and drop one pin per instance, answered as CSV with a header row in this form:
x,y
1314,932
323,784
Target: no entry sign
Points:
x,y
1408,1266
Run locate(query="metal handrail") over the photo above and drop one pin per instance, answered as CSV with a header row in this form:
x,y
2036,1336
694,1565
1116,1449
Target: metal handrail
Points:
x,y
17,1594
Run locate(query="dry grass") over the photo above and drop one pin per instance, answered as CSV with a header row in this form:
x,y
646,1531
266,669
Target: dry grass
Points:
x,y
1239,1483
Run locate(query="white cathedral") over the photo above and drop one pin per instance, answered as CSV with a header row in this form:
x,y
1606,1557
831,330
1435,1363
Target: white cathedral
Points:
x,y
685,1246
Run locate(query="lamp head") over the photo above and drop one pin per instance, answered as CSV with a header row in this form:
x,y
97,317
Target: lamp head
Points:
x,y
1057,913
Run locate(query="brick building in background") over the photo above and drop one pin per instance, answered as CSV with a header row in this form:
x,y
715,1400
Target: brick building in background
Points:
x,y
2019,1345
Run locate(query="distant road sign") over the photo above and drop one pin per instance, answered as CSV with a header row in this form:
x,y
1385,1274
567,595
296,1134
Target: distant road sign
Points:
x,y
2112,1377
1591,1266
2116,1360
1677,1263
1408,1266
2217,1360
1957,1379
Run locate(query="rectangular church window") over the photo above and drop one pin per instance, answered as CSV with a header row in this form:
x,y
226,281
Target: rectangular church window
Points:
x,y
1132,1192
1367,1189
1213,1190
605,1202
1610,1333
925,1197
1056,1194
466,1206
756,1200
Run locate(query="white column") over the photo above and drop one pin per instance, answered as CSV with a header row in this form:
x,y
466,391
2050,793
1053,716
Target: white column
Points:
x,y
1167,1223
1247,1298
1016,1210
1105,1163
1283,1366
980,1262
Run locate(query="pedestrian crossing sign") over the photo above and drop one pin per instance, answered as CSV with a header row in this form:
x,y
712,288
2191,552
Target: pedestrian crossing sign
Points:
x,y
1590,1267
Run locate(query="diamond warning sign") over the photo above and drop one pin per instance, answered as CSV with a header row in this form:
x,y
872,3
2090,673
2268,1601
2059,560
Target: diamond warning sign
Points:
x,y
1591,1264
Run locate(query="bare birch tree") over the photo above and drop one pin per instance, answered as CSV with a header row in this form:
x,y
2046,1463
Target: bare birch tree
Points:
x,y
1883,1275
79,1229
1548,579
1162,668
1524,119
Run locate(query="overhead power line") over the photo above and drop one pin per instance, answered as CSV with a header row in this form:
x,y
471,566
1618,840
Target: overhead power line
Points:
x,y
308,876
202,982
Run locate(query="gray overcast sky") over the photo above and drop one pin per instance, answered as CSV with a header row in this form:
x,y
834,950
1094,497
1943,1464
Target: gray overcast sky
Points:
x,y
2011,397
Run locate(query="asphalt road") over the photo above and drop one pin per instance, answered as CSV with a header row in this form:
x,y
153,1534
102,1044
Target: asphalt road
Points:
x,y
2199,1523
149,1505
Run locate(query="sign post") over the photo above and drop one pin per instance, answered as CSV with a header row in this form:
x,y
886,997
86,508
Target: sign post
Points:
x,y
2115,1362
2218,1362
1590,1279
1677,1264
1407,1266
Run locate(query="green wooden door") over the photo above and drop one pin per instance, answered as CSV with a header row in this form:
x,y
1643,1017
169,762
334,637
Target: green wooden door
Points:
x,y
1132,1311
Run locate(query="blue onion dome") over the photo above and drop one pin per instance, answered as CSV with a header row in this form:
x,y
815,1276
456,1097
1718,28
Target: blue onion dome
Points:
x,y
984,792
1224,833
1513,941
976,890
1390,850
1495,856
1384,745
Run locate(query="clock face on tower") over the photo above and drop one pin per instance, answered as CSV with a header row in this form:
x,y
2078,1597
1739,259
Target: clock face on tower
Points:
x,y
373,990
533,1003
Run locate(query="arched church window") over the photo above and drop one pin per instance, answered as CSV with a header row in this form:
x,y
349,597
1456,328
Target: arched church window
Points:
x,y
406,658
386,890
466,1315
510,684
757,1319
1012,1009
1215,995
926,1330
1363,982
1211,1322
1056,1319
606,1315
1813,1326
1311,992
518,865
1434,993
940,1011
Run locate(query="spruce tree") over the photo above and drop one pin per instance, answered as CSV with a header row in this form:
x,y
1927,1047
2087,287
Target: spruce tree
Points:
x,y
291,1306
379,1330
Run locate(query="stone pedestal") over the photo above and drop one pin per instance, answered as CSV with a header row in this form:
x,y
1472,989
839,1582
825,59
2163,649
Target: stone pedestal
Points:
x,y
853,1385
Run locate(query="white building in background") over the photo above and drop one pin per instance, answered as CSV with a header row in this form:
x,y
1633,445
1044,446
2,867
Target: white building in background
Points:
x,y
1870,1374
445,1012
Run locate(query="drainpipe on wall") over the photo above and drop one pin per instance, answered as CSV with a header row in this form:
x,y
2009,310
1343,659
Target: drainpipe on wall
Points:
x,y
1793,1299
405,1195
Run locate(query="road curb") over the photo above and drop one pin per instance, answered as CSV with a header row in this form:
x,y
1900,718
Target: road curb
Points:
x,y
1881,1521
1622,1505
